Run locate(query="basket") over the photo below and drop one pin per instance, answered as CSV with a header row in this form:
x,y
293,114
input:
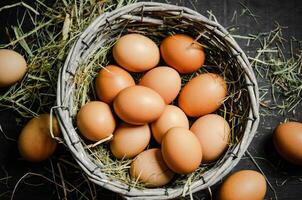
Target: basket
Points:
x,y
107,28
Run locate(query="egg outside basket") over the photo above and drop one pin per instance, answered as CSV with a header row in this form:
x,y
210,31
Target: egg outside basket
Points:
x,y
157,16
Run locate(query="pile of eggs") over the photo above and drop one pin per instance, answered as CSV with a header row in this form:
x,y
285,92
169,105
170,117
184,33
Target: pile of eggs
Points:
x,y
158,107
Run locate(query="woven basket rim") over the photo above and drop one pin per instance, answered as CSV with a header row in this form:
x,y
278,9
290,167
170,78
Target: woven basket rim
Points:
x,y
72,141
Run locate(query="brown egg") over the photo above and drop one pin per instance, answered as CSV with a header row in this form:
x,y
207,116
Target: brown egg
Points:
x,y
138,105
95,121
12,67
150,169
213,132
288,141
171,117
129,140
202,95
181,150
35,142
182,53
136,53
243,185
110,81
164,80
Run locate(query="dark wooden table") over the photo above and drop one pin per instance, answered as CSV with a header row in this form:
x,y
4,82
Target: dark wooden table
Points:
x,y
285,178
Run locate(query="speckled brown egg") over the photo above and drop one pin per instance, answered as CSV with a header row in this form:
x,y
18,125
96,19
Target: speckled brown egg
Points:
x,y
288,141
181,150
138,105
243,185
164,80
213,132
183,53
202,95
110,81
150,168
172,116
129,140
35,142
136,52
12,67
95,121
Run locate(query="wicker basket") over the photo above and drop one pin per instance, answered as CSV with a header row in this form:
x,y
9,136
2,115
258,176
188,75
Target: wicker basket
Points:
x,y
156,15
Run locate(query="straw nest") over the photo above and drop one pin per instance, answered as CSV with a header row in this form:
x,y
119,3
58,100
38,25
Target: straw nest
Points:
x,y
92,51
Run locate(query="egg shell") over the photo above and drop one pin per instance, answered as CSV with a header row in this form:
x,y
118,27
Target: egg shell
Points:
x,y
12,67
183,53
150,169
171,117
136,53
95,121
164,80
129,140
35,142
202,95
181,150
213,132
242,185
138,105
287,139
110,81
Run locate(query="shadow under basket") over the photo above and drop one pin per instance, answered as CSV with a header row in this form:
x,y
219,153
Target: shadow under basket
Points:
x,y
156,21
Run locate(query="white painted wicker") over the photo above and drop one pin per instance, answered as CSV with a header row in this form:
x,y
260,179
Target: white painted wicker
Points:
x,y
93,38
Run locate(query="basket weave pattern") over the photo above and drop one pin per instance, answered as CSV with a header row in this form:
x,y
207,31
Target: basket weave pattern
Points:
x,y
94,37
